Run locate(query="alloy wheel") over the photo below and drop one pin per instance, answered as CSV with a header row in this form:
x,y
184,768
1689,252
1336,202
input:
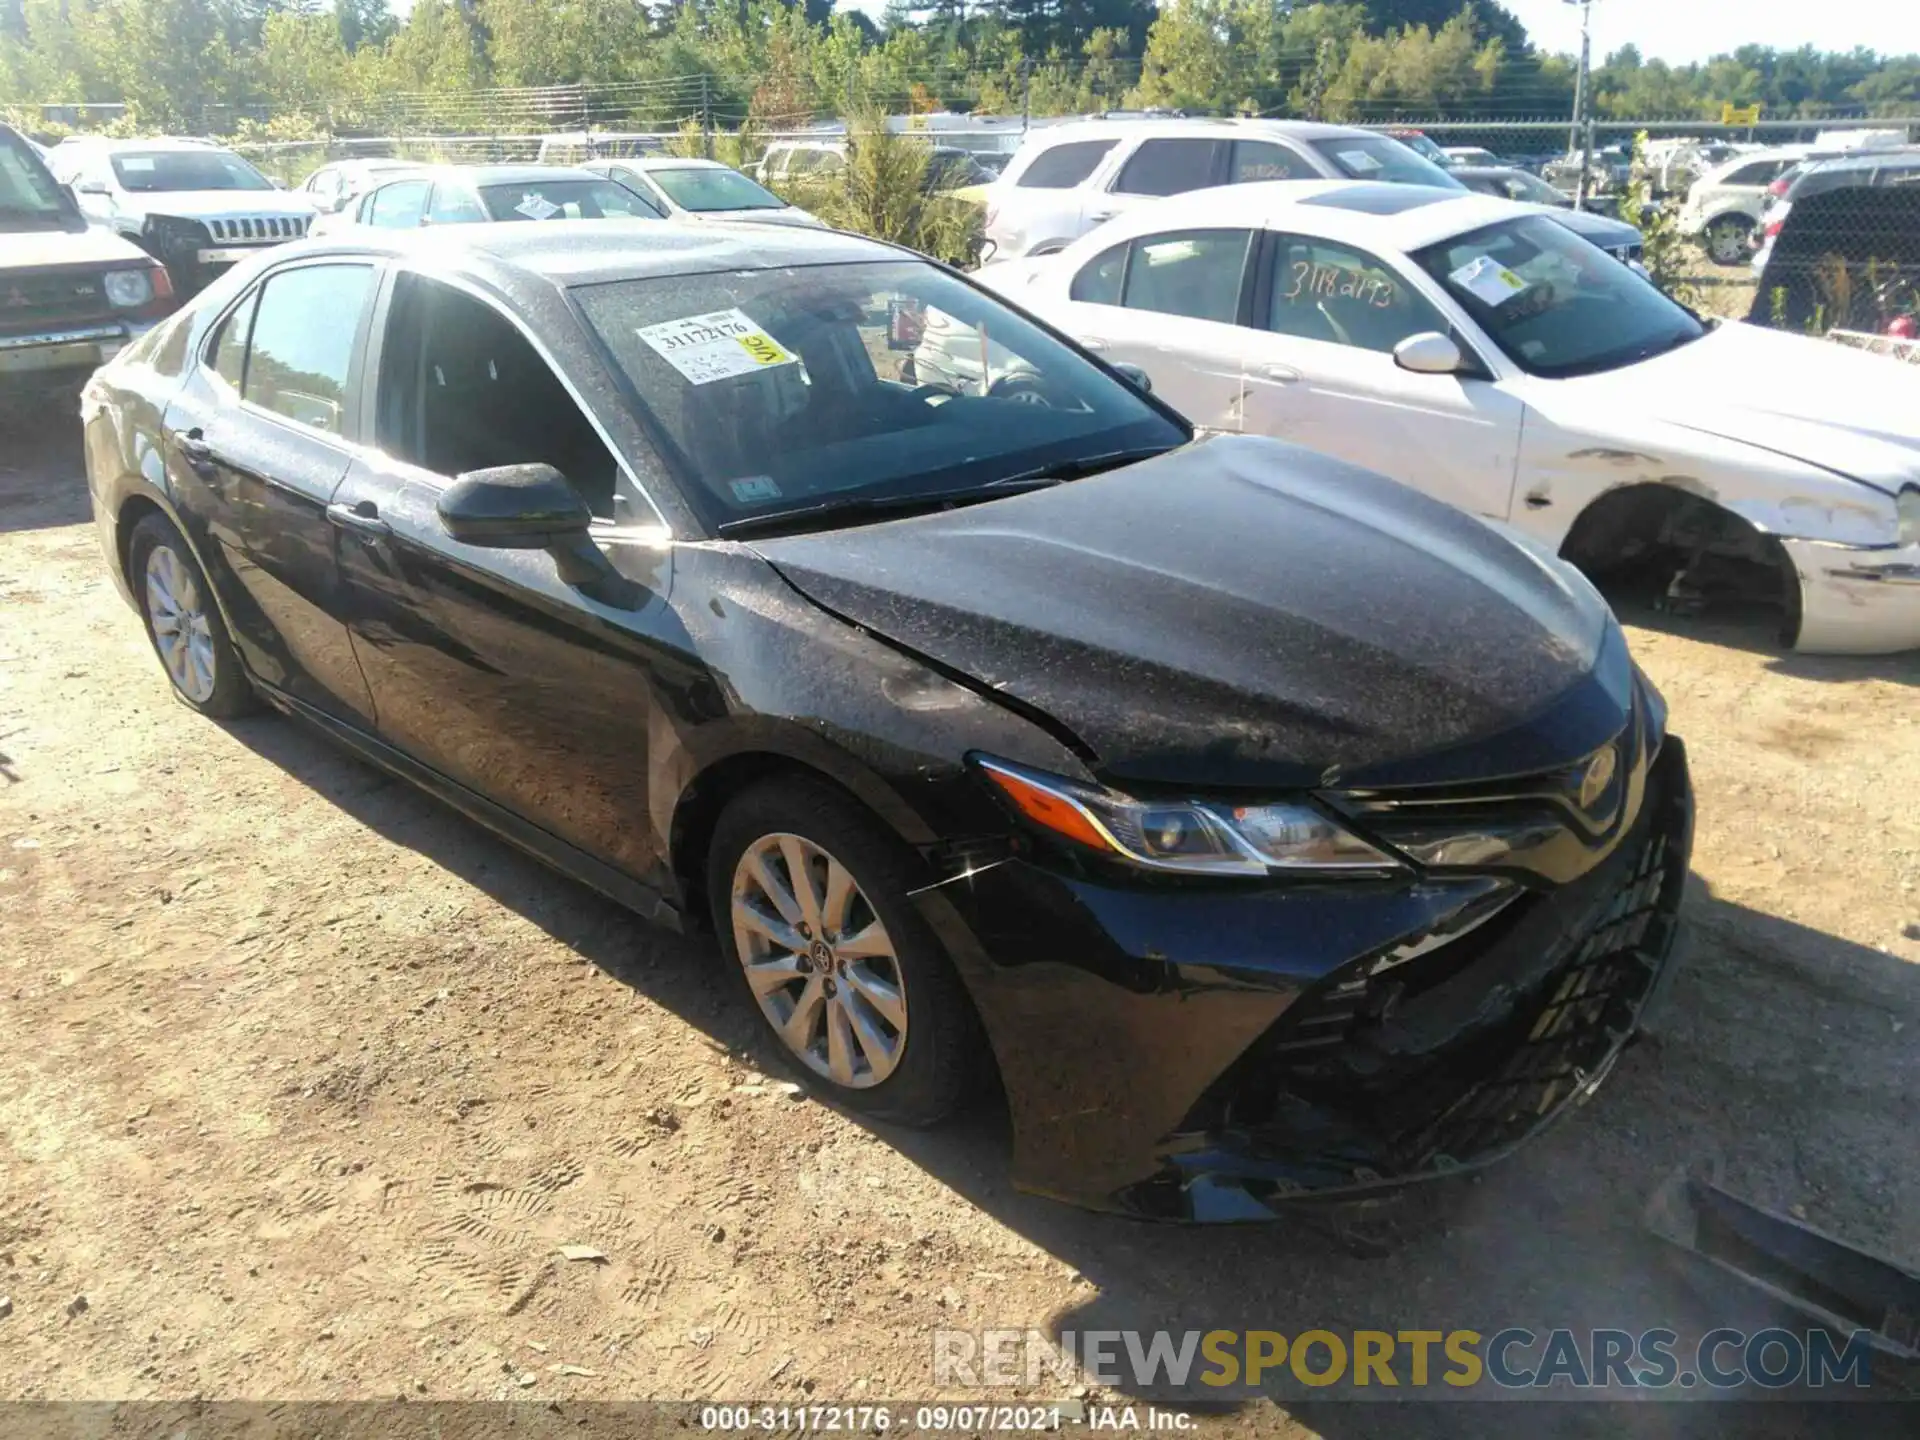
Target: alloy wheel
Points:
x,y
819,960
181,632
1726,243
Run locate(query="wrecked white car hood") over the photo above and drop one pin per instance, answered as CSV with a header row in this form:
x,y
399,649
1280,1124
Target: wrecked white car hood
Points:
x,y
1808,400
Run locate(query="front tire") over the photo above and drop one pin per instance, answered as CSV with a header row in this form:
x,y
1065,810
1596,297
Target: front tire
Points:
x,y
809,899
183,622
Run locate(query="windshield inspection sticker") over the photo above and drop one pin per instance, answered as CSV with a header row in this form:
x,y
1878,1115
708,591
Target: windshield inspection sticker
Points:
x,y
754,487
717,346
1359,161
537,207
1488,281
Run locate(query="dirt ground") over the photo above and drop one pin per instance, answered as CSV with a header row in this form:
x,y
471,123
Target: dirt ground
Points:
x,y
304,1080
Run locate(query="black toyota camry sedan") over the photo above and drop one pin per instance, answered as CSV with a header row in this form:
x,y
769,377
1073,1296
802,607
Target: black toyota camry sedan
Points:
x,y
1269,829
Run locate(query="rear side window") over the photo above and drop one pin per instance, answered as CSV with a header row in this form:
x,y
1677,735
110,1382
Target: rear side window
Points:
x,y
1255,160
1062,167
1099,280
1196,273
304,333
1758,174
454,205
1170,167
397,207
229,352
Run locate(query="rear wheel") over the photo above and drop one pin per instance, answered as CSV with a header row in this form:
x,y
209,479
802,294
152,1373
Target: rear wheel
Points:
x,y
183,622
1726,239
810,904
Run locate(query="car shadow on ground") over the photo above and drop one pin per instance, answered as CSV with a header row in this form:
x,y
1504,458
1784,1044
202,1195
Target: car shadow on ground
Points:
x,y
43,476
1739,1068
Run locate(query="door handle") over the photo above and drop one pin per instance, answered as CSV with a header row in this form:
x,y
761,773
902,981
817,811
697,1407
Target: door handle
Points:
x,y
1099,216
195,450
362,516
1093,343
1285,374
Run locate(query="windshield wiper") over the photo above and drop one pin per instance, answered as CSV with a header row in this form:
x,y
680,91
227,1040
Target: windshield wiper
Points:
x,y
869,506
1086,465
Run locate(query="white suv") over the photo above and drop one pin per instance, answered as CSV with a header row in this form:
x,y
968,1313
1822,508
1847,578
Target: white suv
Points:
x,y
1067,179
1724,204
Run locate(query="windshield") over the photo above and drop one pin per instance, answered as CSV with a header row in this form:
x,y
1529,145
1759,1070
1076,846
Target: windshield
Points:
x,y
955,169
862,383
28,193
1555,304
700,189
1376,157
1522,186
155,170
1424,147
564,199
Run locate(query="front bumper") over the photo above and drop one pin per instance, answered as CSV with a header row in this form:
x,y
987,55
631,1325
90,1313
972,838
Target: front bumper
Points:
x,y
1856,601
1210,1053
59,355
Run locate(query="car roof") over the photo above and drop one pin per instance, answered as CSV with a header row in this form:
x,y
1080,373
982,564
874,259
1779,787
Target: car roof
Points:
x,y
145,142
589,252
1485,172
660,162
1160,127
1363,212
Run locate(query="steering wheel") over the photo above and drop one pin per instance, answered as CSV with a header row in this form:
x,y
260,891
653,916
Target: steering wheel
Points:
x,y
1021,389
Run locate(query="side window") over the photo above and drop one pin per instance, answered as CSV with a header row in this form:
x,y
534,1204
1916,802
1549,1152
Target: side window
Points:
x,y
1323,291
461,389
1759,174
1197,273
227,351
396,207
1099,280
1261,160
642,191
1064,166
304,330
454,205
1170,167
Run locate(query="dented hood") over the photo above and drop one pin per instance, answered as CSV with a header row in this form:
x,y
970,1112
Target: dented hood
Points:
x,y
1236,612
1811,400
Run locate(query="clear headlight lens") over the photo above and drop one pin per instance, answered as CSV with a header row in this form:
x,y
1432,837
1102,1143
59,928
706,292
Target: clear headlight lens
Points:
x,y
1908,506
1197,837
129,289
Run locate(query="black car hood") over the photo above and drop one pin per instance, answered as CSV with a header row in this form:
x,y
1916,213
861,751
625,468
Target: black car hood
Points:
x,y
1237,613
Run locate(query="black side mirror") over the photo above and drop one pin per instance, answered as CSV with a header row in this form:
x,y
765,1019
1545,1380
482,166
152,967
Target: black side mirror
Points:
x,y
532,507
1135,377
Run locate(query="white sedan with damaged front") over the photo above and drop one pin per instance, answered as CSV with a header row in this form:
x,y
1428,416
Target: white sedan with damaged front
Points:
x,y
1477,350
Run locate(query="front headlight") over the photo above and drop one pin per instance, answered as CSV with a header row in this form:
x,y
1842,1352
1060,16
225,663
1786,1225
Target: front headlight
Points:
x,y
1195,837
129,289
1908,506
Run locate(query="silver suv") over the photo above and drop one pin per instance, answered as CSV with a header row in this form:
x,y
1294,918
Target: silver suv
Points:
x,y
1066,179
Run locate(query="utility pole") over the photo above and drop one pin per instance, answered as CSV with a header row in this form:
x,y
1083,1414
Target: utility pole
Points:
x,y
706,115
1580,84
1026,93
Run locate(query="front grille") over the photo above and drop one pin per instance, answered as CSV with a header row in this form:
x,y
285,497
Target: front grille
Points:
x,y
264,227
1386,1070
38,302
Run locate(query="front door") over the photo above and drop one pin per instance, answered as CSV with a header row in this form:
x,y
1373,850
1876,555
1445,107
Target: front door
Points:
x,y
1170,303
484,665
255,452
1320,372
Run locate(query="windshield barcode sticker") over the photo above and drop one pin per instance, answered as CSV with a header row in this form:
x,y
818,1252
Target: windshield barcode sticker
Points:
x,y
717,346
1487,280
537,207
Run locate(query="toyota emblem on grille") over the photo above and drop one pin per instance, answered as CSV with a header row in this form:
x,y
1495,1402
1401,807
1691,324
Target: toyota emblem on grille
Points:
x,y
1597,776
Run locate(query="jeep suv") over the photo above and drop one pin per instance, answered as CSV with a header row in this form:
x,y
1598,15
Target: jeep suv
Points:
x,y
192,205
71,294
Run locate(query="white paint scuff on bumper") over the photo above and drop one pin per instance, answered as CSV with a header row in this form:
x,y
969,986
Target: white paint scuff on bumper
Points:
x,y
1856,601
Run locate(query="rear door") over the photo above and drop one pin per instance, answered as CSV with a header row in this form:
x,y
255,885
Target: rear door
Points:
x,y
1174,304
1157,168
256,445
1320,372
